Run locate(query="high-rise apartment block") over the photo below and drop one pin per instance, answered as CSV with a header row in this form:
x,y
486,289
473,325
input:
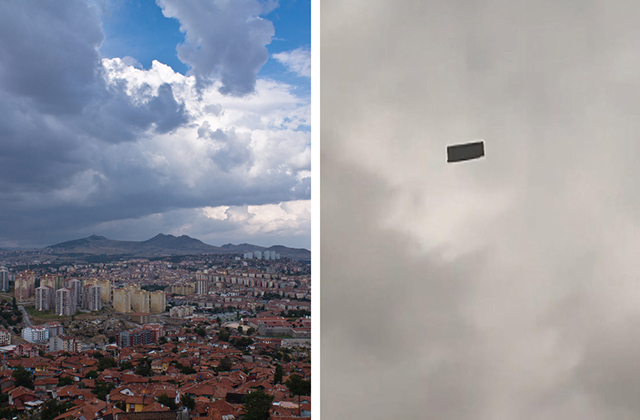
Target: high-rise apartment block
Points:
x,y
75,286
140,301
52,280
91,299
65,302
183,289
45,298
105,288
157,302
121,301
25,285
4,279
132,299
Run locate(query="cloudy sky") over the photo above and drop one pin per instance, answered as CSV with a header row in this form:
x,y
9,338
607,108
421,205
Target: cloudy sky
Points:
x,y
131,118
497,289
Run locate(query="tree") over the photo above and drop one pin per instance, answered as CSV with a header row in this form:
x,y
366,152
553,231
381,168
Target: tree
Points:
x,y
201,331
126,365
162,340
298,386
224,365
187,370
92,374
144,368
224,335
106,363
65,380
103,389
257,405
23,377
53,408
167,402
277,376
188,401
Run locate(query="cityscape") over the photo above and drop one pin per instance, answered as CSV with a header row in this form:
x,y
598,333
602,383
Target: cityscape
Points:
x,y
184,337
122,119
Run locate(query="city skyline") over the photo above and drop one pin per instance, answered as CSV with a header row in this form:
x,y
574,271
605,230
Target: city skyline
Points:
x,y
126,119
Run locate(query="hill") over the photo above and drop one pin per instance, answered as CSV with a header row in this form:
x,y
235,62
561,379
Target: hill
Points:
x,y
163,245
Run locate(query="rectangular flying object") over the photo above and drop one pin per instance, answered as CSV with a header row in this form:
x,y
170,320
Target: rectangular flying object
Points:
x,y
467,151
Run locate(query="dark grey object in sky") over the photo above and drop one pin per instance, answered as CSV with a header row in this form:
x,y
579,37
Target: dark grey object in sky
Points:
x,y
467,151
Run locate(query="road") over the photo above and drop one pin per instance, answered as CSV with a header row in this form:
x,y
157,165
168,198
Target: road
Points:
x,y
25,316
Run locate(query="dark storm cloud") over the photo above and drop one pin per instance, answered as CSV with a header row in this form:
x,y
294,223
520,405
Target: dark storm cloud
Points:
x,y
48,53
54,97
500,288
225,40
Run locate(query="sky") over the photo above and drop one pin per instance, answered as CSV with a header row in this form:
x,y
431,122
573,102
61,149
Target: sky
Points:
x,y
495,289
130,118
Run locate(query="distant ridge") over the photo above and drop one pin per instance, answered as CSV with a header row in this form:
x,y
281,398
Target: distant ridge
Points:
x,y
165,245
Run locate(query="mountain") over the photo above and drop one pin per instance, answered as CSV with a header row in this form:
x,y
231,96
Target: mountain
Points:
x,y
163,245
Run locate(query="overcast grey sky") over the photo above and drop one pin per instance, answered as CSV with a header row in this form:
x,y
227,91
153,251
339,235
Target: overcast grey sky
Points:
x,y
498,289
100,144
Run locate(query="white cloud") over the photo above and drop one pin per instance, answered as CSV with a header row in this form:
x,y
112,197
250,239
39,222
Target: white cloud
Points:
x,y
224,40
297,61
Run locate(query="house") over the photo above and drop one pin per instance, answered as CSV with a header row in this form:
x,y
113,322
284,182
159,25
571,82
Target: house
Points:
x,y
19,396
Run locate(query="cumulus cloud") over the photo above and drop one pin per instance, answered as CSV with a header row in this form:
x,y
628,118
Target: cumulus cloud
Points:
x,y
89,141
224,40
497,289
297,61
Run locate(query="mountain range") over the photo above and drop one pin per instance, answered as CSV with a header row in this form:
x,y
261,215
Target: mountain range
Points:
x,y
165,245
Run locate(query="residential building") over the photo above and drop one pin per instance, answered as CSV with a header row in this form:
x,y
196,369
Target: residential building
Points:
x,y
122,301
37,334
25,285
202,286
157,331
64,343
183,289
75,286
26,350
65,302
5,337
91,299
45,298
105,288
157,302
136,337
52,280
140,301
55,328
181,311
5,276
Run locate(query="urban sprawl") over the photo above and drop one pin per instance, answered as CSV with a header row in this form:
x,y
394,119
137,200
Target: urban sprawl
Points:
x,y
217,337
